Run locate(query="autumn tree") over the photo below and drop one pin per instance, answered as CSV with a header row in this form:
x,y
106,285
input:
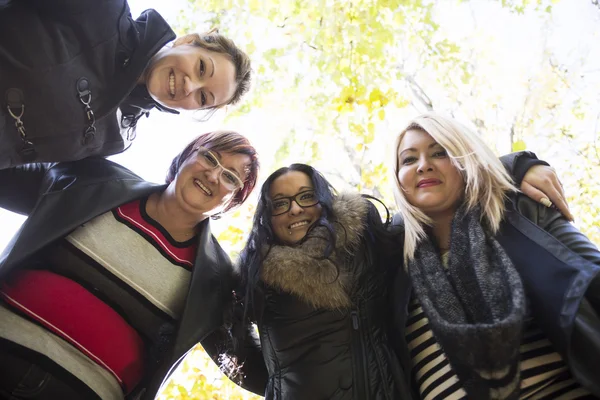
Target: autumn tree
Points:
x,y
334,81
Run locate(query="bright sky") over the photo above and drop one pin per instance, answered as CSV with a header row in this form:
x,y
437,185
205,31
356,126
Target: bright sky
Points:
x,y
514,41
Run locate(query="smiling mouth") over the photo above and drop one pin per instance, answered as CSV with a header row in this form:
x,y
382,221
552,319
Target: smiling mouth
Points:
x,y
202,187
428,183
172,84
298,224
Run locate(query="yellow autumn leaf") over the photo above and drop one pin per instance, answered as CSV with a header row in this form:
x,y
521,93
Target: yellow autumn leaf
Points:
x,y
519,145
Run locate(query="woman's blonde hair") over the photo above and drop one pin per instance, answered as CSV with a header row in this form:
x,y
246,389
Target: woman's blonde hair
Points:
x,y
486,181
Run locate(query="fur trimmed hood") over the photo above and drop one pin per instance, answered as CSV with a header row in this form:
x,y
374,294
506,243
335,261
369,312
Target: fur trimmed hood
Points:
x,y
302,270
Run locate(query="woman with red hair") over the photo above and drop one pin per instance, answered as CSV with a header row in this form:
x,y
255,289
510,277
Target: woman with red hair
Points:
x,y
112,280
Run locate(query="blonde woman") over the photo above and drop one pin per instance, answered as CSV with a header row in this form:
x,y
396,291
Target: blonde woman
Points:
x,y
498,297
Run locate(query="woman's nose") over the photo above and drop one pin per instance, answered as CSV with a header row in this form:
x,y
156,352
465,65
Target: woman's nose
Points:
x,y
213,175
424,165
190,85
295,209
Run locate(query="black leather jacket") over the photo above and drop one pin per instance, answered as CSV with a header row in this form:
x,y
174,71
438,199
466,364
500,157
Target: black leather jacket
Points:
x,y
62,197
57,55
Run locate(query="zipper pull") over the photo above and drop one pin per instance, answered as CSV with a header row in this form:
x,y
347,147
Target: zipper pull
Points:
x,y
85,97
16,101
354,320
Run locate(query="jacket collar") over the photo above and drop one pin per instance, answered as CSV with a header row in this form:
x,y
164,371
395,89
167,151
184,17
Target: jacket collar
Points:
x,y
144,38
301,269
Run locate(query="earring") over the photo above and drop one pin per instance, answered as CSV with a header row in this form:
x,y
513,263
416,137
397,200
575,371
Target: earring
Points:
x,y
290,231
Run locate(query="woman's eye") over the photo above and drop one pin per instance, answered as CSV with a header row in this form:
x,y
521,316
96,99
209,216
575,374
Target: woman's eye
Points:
x,y
202,99
279,204
211,160
202,68
230,177
307,196
441,153
408,160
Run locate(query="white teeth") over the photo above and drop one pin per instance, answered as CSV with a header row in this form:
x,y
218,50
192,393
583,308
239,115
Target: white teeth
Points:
x,y
172,84
202,187
297,224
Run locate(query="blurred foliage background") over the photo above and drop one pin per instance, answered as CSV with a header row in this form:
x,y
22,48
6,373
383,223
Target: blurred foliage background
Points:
x,y
335,80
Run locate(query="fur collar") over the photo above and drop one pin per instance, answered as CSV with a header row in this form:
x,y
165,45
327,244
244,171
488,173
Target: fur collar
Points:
x,y
302,271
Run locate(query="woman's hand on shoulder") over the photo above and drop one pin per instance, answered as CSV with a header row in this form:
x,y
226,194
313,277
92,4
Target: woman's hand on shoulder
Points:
x,y
541,184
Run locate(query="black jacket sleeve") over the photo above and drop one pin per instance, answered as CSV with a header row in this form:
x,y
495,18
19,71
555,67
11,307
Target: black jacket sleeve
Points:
x,y
247,367
517,164
243,346
20,186
585,337
254,371
83,8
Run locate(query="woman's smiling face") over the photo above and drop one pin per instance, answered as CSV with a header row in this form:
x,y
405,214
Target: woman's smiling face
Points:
x,y
427,176
200,190
292,225
189,77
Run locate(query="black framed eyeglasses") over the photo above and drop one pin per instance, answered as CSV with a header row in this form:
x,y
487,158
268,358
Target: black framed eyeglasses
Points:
x,y
304,199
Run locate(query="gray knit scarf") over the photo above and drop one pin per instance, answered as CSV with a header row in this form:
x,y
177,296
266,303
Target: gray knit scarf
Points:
x,y
475,307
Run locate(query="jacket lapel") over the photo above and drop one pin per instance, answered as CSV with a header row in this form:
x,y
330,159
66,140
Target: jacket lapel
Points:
x,y
203,311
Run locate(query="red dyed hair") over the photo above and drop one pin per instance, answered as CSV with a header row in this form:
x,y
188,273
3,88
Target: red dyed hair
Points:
x,y
226,142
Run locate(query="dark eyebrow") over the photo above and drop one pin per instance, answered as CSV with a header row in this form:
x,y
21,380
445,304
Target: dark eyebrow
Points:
x,y
213,65
413,149
300,190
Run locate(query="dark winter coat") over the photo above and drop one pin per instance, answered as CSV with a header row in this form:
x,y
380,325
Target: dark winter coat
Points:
x,y
65,68
323,329
60,198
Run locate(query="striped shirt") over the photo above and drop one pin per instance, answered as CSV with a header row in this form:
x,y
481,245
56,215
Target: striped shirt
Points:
x,y
544,374
132,265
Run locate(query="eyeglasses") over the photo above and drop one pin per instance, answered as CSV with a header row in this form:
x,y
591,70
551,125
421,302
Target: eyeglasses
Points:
x,y
304,199
229,179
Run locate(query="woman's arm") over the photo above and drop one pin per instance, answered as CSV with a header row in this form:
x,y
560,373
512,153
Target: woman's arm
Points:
x,y
537,180
241,360
253,372
20,186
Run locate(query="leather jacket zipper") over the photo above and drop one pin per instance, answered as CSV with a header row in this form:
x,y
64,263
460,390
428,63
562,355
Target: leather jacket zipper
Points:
x,y
359,358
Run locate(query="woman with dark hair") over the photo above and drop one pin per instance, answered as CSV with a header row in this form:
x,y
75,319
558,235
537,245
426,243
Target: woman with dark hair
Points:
x,y
315,283
76,76
112,280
